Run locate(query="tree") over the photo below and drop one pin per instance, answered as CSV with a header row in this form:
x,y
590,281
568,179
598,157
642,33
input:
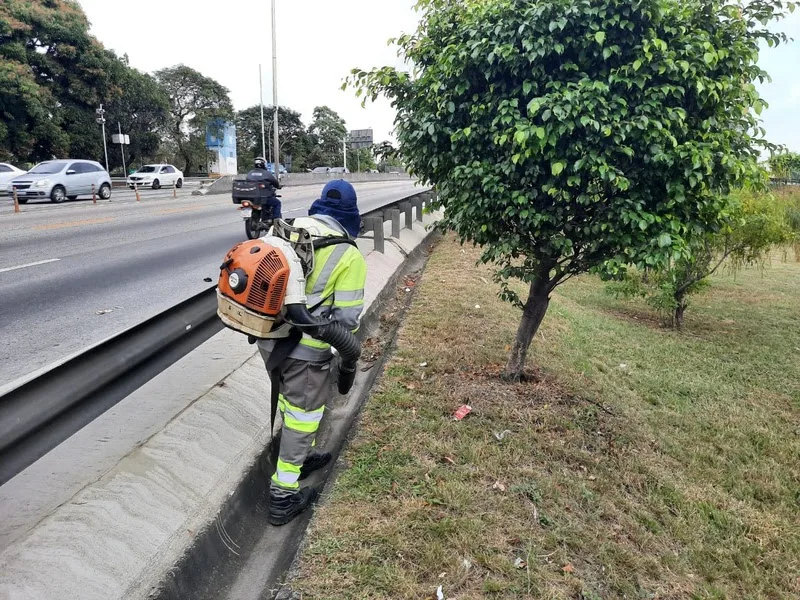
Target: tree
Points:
x,y
755,224
785,165
360,159
53,75
291,132
562,136
142,110
195,101
387,156
328,132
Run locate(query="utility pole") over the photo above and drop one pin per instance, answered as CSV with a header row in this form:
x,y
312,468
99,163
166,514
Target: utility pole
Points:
x,y
122,149
263,137
102,120
275,91
344,148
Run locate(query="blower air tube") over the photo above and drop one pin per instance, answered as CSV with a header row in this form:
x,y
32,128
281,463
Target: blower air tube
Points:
x,y
333,333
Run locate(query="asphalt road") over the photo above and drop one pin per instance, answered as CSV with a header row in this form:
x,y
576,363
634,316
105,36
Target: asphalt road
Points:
x,y
74,274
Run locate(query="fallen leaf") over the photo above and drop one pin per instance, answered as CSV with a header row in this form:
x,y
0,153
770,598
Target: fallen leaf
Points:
x,y
568,568
447,459
411,386
520,564
499,486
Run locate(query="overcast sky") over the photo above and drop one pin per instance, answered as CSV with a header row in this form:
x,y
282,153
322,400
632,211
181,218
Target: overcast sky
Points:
x,y
319,41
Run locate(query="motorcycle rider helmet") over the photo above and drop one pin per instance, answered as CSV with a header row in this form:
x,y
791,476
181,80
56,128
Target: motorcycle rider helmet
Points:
x,y
261,163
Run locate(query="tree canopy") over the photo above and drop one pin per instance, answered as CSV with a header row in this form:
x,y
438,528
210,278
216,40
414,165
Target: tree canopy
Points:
x,y
195,100
53,75
327,132
563,136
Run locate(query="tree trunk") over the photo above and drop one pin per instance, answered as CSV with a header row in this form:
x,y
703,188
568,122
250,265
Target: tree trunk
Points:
x,y
532,316
680,311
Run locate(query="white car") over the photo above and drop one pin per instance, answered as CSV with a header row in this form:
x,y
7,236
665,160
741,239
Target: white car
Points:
x,y
156,177
7,173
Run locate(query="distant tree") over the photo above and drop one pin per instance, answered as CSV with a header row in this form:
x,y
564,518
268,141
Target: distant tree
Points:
x,y
195,101
754,225
361,159
563,136
785,165
387,156
291,132
327,132
53,75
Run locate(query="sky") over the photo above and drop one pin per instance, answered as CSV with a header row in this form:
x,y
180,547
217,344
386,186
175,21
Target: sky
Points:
x,y
320,41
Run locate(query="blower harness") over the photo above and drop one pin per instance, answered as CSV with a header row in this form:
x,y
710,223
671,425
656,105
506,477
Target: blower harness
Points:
x,y
261,293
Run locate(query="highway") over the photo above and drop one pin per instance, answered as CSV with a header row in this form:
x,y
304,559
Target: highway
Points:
x,y
74,274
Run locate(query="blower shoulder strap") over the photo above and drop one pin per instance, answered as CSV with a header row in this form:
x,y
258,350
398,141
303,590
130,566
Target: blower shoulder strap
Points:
x,y
333,241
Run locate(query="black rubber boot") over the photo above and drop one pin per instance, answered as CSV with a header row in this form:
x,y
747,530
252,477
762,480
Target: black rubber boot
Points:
x,y
314,462
284,507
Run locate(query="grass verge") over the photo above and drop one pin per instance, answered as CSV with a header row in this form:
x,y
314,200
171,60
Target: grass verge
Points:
x,y
643,464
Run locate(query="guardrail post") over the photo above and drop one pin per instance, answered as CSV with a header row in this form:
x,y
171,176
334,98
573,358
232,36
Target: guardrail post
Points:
x,y
94,196
406,208
417,203
395,215
376,224
136,190
16,199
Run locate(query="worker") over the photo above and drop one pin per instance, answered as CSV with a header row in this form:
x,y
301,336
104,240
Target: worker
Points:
x,y
270,203
302,367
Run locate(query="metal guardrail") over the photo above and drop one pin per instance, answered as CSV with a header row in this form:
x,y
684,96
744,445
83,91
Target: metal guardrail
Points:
x,y
374,220
43,412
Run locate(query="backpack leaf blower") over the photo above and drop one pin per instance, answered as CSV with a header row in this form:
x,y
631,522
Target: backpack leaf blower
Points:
x,y
262,288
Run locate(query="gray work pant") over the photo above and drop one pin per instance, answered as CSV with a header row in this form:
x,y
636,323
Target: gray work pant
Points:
x,y
305,388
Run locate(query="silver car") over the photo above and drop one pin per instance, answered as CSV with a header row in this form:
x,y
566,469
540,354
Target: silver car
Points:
x,y
62,179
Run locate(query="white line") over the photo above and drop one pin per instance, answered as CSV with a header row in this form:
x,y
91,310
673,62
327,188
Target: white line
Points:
x,y
34,264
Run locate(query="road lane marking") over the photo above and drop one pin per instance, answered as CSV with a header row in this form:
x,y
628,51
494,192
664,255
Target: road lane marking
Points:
x,y
33,264
74,223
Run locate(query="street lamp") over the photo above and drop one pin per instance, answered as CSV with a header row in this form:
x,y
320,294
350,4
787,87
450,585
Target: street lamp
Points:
x,y
275,91
102,120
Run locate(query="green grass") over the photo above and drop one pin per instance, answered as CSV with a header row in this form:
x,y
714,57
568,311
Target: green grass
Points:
x,y
643,464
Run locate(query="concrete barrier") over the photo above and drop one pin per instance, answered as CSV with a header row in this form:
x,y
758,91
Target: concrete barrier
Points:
x,y
145,526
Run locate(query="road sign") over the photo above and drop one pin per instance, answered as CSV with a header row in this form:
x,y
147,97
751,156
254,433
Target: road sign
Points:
x,y
118,138
360,138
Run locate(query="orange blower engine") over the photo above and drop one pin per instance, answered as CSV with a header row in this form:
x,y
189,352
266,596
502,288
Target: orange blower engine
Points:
x,y
262,286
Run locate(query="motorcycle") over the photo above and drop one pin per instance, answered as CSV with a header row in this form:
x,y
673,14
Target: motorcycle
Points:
x,y
257,219
258,205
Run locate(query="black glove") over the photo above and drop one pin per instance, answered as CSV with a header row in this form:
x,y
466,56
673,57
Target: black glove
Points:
x,y
347,376
251,339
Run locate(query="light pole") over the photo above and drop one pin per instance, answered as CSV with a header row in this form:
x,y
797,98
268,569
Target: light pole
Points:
x,y
275,91
122,149
263,137
102,120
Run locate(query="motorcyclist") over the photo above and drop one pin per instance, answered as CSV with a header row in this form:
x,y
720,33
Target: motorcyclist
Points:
x,y
270,202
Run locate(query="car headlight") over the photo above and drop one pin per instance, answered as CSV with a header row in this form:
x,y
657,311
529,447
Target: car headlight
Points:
x,y
42,183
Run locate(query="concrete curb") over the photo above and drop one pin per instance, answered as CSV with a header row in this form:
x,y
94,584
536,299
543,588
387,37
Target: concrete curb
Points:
x,y
172,508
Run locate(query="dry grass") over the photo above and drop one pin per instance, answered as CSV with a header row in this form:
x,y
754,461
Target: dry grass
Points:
x,y
644,464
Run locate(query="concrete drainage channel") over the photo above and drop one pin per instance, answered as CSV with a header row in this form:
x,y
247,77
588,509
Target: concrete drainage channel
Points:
x,y
240,556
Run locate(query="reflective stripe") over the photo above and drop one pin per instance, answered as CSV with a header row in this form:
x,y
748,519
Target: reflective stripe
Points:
x,y
333,260
347,297
311,354
301,426
312,343
287,475
341,304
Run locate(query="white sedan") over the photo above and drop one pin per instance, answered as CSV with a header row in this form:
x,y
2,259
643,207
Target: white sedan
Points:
x,y
7,173
156,177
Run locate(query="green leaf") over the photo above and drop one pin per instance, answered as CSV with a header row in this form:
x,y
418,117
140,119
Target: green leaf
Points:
x,y
600,37
709,57
557,168
451,107
664,240
607,52
467,131
637,64
526,88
